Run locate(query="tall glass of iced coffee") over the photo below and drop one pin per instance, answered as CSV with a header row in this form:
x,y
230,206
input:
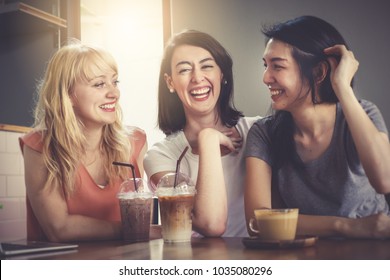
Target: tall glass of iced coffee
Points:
x,y
135,201
176,204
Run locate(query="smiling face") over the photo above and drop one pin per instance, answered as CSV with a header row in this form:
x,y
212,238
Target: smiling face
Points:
x,y
196,79
282,77
94,101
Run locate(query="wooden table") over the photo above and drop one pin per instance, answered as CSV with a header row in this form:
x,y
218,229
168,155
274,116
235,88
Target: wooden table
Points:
x,y
225,249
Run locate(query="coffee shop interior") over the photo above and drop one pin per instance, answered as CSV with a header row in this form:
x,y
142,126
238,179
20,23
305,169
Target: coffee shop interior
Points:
x,y
134,32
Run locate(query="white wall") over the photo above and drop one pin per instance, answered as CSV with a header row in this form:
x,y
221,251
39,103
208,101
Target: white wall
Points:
x,y
132,31
237,25
12,190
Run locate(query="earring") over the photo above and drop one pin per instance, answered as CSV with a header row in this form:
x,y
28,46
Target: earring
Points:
x,y
171,90
224,82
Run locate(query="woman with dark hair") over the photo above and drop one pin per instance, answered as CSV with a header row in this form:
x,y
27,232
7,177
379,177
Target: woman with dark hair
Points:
x,y
196,110
323,150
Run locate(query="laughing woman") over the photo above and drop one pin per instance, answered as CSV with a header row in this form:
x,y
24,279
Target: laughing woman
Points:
x,y
323,151
196,110
70,180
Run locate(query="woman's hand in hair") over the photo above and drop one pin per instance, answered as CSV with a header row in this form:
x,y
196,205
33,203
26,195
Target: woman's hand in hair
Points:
x,y
343,66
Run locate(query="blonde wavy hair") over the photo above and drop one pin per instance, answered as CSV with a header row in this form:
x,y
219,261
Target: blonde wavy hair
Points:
x,y
63,138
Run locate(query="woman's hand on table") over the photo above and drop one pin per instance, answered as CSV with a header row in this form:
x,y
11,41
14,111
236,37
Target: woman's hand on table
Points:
x,y
375,226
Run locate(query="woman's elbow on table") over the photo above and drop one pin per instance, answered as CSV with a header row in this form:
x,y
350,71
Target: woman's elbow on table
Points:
x,y
212,229
57,233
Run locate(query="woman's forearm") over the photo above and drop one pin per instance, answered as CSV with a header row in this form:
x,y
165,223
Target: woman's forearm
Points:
x,y
373,146
210,210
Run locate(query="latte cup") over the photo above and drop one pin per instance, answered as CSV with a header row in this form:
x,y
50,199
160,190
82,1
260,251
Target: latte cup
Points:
x,y
275,224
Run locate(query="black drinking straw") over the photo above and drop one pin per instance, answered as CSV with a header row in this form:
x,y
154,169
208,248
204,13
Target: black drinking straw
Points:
x,y
178,166
132,170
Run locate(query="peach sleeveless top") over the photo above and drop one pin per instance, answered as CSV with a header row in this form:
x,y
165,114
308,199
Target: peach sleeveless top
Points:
x,y
88,199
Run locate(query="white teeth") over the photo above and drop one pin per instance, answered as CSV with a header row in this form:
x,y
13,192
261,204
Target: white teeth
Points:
x,y
108,106
275,92
200,91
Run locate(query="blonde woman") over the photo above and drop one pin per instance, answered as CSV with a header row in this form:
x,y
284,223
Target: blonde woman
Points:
x,y
70,180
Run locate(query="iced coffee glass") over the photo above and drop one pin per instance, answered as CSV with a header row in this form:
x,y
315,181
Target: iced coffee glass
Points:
x,y
135,203
176,204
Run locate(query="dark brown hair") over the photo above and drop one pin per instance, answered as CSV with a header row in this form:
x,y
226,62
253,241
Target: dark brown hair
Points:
x,y
171,117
